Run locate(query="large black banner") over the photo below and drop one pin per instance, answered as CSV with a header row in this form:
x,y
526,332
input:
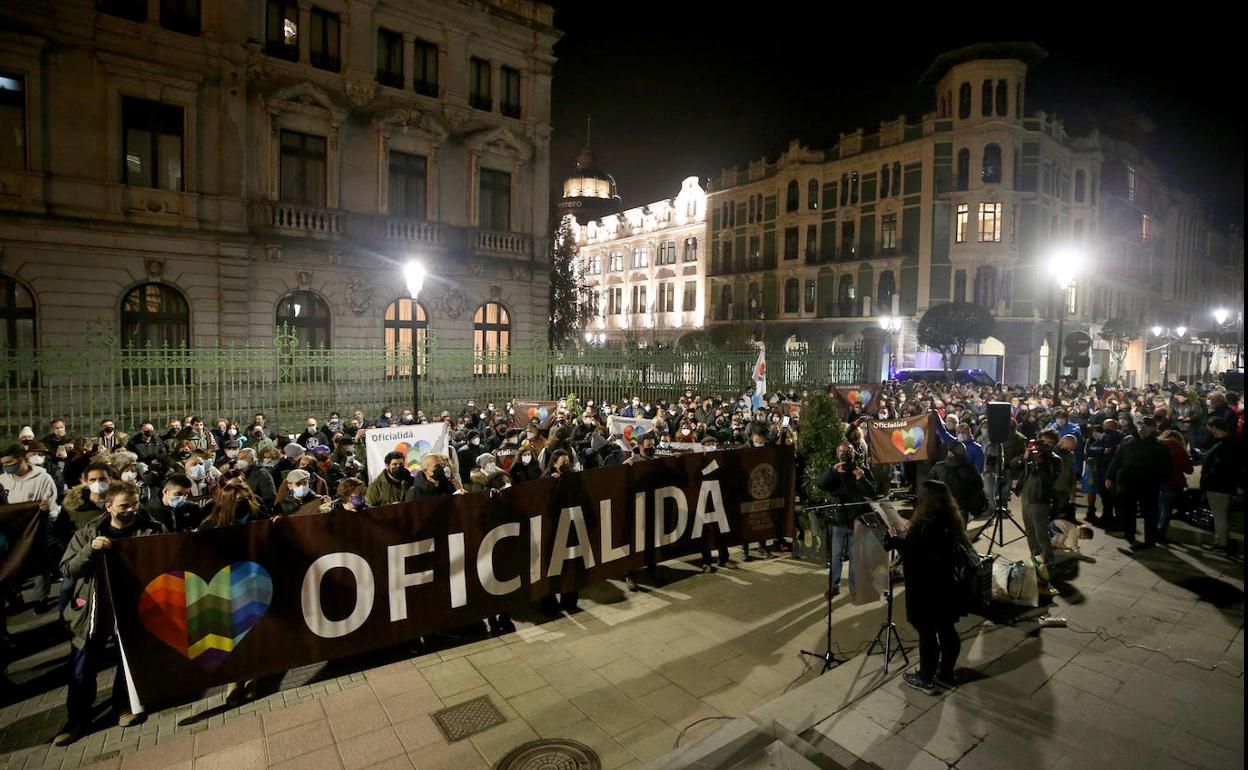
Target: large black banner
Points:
x,y
199,609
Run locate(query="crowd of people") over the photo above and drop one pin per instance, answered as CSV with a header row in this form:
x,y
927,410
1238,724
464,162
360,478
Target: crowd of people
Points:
x,y
1126,450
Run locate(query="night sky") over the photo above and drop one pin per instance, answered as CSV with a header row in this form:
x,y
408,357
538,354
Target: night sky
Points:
x,y
677,89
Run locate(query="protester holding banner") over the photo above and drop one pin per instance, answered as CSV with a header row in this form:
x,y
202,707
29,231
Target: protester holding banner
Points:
x,y
434,479
82,562
391,485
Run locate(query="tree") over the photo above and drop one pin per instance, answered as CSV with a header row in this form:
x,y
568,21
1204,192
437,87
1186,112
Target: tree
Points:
x,y
948,328
821,431
1119,333
570,306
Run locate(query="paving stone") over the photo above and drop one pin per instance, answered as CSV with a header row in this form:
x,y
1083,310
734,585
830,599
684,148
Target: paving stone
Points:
x,y
239,731
315,760
453,676
366,718
512,677
546,708
248,755
611,710
296,741
371,748
292,716
417,733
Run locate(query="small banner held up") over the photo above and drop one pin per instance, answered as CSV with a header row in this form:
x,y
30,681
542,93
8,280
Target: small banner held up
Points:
x,y
541,412
868,395
20,539
629,429
414,441
792,410
901,441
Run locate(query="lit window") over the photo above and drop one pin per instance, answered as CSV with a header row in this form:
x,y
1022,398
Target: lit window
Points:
x,y
990,222
888,233
1146,227
152,135
399,324
641,257
964,216
491,339
12,121
1131,184
690,301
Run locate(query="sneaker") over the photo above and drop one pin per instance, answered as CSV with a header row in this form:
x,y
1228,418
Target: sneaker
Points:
x,y
912,680
234,694
67,735
947,682
127,719
631,584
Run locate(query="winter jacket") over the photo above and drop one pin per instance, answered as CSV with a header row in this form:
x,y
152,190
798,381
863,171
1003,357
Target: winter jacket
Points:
x,y
928,553
849,491
963,481
82,510
1221,469
261,482
1101,450
383,491
146,450
1039,476
422,487
80,563
114,441
1180,464
1141,464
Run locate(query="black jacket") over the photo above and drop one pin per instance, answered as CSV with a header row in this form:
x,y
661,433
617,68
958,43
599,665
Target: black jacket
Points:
x,y
959,475
1221,471
182,519
146,450
849,491
1140,464
928,556
1039,475
422,488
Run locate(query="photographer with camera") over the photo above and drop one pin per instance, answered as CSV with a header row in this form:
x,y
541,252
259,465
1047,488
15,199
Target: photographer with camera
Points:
x,y
435,478
850,483
1041,468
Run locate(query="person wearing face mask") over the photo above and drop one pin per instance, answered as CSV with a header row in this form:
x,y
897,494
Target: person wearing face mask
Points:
x,y
486,468
82,563
560,464
299,493
26,483
1068,427
203,476
434,479
406,417
86,501
850,484
471,450
312,436
525,467
145,445
386,419
57,436
258,478
391,484
646,450
1041,468
38,456
170,508
352,497
110,437
323,465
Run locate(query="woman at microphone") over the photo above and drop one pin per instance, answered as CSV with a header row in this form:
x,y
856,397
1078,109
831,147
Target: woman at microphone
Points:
x,y
849,482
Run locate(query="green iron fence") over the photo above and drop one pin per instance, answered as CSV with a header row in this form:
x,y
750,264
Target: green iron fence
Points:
x,y
83,385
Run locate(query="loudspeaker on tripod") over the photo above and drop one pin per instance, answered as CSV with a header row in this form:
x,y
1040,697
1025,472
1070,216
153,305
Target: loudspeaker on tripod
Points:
x,y
998,421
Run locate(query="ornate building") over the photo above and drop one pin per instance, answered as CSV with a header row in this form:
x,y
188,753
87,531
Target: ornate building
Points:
x,y
644,270
189,173
590,193
972,202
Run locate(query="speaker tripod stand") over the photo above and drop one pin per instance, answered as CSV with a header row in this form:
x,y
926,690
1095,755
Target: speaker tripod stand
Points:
x,y
1000,514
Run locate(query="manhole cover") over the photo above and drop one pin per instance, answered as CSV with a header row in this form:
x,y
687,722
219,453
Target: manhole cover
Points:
x,y
550,754
467,718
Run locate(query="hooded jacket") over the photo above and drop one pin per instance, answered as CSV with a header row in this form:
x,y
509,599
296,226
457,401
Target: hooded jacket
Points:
x,y
80,563
36,486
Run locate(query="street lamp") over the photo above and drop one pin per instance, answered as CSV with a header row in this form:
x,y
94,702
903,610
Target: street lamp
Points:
x,y
892,325
1064,266
414,275
1172,335
1223,318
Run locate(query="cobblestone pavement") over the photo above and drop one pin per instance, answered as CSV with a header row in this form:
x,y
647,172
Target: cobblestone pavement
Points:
x,y
633,674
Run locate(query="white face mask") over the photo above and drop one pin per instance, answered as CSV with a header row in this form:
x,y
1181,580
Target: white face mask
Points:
x,y
129,476
98,487
242,465
476,442
526,459
37,460
198,472
231,453
300,491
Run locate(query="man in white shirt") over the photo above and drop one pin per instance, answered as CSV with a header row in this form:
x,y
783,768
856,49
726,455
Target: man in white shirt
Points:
x,y
26,483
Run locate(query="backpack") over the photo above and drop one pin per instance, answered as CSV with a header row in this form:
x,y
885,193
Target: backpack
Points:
x,y
972,578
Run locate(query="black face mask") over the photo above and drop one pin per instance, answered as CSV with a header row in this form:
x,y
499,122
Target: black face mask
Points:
x,y
109,429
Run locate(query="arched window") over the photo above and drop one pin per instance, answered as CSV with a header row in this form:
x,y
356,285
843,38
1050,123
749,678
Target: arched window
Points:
x,y
400,324
845,296
812,194
155,315
964,101
884,298
985,107
307,316
1081,184
986,287
792,291
491,339
964,169
725,304
17,309
1003,98
791,200
991,172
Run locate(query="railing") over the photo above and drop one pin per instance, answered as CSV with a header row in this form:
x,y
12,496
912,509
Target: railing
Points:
x,y
418,230
289,383
502,242
307,219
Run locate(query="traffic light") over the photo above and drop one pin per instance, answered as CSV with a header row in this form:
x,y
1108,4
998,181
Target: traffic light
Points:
x,y
1077,345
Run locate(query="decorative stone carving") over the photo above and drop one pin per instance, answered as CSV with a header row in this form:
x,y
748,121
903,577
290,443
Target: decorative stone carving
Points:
x,y
501,140
476,269
412,119
273,252
360,93
155,268
359,296
496,292
452,303
304,279
335,257
521,274
300,96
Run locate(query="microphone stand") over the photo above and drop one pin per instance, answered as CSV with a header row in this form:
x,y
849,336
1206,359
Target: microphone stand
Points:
x,y
888,629
1002,512
830,660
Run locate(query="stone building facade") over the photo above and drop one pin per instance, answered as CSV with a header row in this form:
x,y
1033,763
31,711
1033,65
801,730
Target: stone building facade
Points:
x,y
197,173
645,270
971,202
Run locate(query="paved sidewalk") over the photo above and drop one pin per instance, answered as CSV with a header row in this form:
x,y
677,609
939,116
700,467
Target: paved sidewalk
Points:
x,y
704,657
1040,698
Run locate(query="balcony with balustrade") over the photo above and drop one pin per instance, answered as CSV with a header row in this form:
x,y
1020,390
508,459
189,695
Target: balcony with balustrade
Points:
x,y
298,219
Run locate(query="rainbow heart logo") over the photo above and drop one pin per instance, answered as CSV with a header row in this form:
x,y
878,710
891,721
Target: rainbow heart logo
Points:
x,y
206,620
908,441
414,452
539,413
634,431
859,397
